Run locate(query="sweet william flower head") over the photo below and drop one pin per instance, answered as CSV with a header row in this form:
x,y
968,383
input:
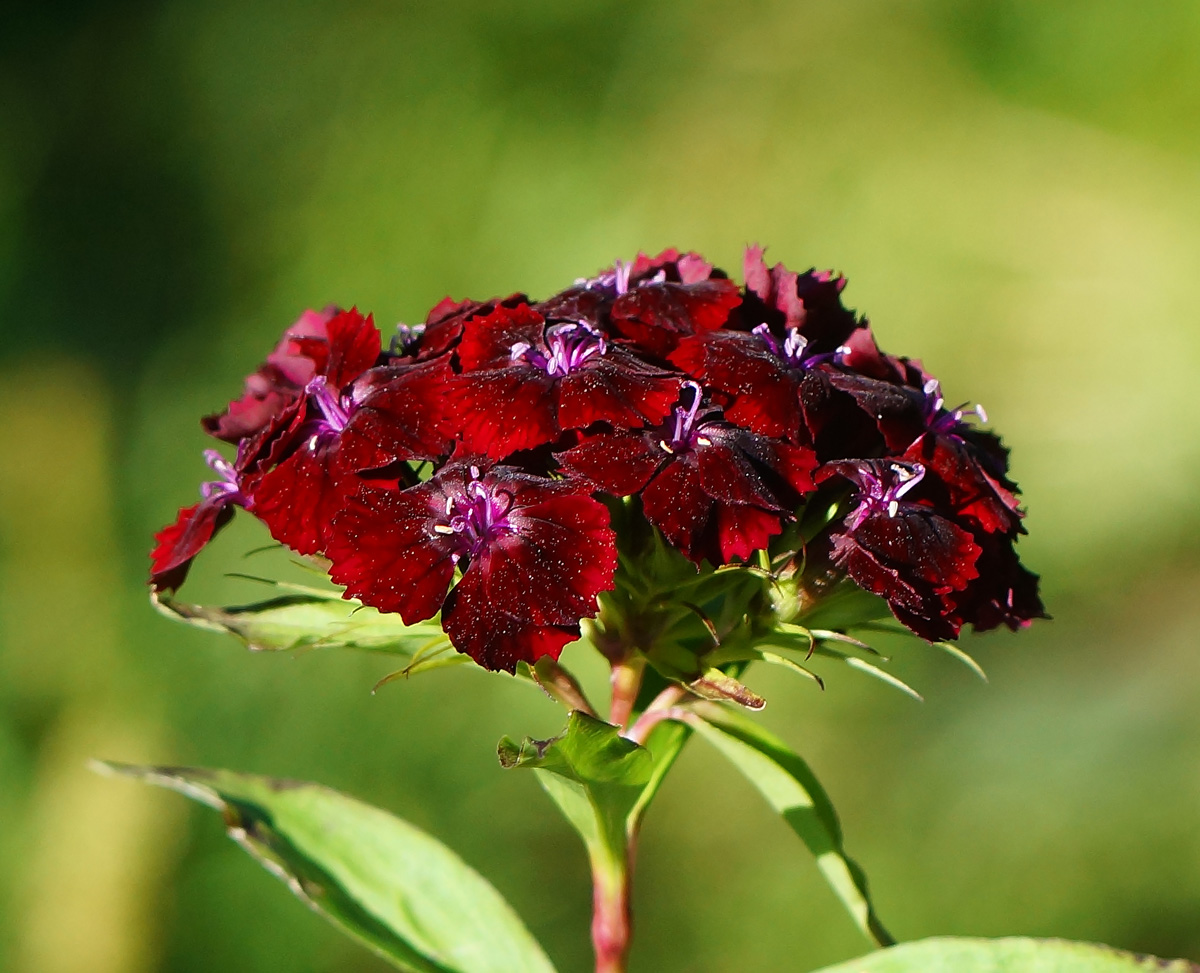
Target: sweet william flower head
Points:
x,y
740,448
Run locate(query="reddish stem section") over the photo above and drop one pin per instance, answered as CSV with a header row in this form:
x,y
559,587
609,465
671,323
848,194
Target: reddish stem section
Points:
x,y
612,917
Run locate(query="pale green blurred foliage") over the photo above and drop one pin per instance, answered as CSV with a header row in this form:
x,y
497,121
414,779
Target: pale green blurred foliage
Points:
x,y
1012,187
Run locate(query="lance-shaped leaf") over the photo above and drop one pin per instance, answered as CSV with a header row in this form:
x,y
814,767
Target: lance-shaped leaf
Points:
x,y
307,619
384,882
792,789
1016,955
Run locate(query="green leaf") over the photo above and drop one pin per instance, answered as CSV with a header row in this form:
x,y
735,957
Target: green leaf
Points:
x,y
307,619
592,773
1007,956
792,789
384,882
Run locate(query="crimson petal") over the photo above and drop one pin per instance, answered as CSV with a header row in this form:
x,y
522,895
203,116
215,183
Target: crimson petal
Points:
x,y
178,543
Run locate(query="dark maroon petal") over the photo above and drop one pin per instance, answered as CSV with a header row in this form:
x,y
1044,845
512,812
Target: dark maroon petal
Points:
x,y
524,593
178,543
267,394
970,492
561,554
579,303
384,549
620,464
930,547
504,410
675,503
827,323
444,324
839,427
617,389
1005,593
493,633
918,606
298,499
727,476
775,288
898,411
402,415
487,340
657,315
742,530
861,354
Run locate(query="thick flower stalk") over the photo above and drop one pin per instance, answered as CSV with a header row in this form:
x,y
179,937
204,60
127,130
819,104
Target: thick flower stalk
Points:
x,y
686,467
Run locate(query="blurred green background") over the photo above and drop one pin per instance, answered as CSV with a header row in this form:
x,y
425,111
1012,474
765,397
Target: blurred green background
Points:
x,y
1013,188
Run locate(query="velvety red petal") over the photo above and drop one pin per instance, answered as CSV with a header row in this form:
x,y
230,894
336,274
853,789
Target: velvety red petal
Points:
x,y
524,594
504,410
615,389
618,464
403,415
971,493
487,340
1005,593
930,547
742,530
494,635
298,499
765,390
898,411
727,476
839,427
675,504
656,316
176,544
918,606
354,346
384,549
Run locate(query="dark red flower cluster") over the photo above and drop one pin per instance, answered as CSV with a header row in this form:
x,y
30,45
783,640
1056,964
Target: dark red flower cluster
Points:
x,y
465,468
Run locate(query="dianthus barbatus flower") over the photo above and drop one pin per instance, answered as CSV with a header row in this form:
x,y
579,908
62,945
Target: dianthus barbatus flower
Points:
x,y
905,552
715,491
970,464
526,380
533,554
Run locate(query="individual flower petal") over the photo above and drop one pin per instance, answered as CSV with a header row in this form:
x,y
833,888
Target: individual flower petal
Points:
x,y
808,303
1005,593
177,544
655,315
398,412
443,326
298,499
276,385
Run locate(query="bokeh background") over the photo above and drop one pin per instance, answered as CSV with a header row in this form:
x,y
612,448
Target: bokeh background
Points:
x,y
1013,188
